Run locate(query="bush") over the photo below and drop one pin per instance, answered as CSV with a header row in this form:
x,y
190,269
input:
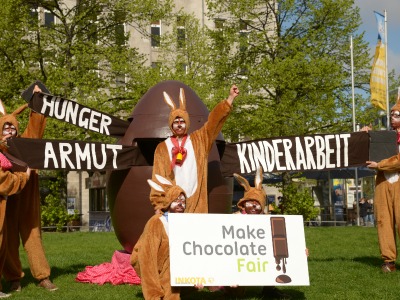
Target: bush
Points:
x,y
54,210
296,201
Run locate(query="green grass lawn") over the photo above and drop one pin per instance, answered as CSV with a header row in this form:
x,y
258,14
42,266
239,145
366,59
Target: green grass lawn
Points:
x,y
344,263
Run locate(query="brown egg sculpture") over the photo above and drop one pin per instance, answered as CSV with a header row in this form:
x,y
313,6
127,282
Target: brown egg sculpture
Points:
x,y
128,191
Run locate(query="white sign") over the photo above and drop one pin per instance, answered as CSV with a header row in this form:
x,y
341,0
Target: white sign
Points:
x,y
236,249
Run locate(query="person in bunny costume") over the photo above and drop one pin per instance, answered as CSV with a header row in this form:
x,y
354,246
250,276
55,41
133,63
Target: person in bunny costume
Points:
x,y
183,158
23,214
253,201
10,182
386,198
150,256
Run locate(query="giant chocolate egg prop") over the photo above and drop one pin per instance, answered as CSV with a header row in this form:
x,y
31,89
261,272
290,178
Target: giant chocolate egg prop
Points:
x,y
128,191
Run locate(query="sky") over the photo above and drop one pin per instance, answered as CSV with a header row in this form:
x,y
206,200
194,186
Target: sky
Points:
x,y
369,25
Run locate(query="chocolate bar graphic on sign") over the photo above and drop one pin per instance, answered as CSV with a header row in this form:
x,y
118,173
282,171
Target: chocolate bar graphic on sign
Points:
x,y
279,242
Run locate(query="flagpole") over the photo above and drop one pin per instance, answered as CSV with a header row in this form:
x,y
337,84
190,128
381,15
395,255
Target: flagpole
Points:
x,y
387,76
354,125
352,82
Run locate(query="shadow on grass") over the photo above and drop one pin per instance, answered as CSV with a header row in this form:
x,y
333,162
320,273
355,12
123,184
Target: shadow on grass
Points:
x,y
55,272
243,293
367,260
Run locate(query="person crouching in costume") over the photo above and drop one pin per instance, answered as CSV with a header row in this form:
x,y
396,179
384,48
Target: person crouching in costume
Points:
x,y
183,158
150,256
10,183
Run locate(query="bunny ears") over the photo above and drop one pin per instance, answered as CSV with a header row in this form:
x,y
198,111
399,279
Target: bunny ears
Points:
x,y
10,118
252,193
397,105
168,190
15,113
182,100
177,112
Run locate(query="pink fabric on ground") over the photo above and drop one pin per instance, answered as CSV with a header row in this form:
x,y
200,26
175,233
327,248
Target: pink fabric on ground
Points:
x,y
119,271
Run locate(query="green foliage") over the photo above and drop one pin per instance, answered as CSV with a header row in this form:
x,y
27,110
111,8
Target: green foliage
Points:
x,y
84,56
54,209
291,60
297,201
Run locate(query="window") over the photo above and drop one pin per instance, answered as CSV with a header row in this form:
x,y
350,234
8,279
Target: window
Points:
x,y
98,199
243,44
34,16
243,36
120,34
184,68
92,32
155,34
120,80
219,24
120,28
49,18
181,32
157,66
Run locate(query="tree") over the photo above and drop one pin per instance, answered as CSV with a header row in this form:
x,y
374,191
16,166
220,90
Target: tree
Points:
x,y
297,201
185,53
293,61
79,51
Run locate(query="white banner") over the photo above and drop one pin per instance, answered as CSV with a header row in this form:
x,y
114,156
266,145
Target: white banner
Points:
x,y
244,250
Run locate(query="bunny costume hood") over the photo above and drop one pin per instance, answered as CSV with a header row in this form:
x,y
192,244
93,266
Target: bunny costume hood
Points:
x,y
397,105
10,118
177,112
168,191
252,193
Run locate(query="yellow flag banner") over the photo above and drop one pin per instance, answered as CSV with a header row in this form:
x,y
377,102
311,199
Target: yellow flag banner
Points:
x,y
378,78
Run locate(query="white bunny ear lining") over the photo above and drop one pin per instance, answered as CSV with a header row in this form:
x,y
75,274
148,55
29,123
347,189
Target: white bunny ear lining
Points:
x,y
169,101
171,104
259,178
182,99
155,186
2,108
163,180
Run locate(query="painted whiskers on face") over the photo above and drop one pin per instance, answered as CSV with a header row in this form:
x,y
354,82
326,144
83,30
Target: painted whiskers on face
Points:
x,y
9,129
180,201
252,207
179,126
254,204
395,119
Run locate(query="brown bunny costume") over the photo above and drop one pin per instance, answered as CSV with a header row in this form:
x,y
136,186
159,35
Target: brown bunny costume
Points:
x,y
251,193
23,216
192,174
387,204
10,183
150,256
